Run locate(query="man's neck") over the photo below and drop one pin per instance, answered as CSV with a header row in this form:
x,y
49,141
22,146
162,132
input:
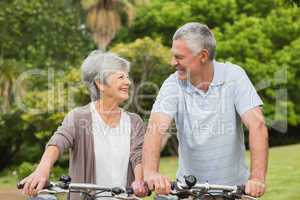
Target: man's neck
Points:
x,y
203,78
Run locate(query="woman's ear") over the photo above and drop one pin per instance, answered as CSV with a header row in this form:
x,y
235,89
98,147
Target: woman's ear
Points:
x,y
99,85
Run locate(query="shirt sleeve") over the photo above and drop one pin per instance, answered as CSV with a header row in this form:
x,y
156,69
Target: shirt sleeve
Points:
x,y
245,96
168,97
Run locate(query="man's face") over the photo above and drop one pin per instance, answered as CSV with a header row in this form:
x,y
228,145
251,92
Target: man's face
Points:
x,y
184,60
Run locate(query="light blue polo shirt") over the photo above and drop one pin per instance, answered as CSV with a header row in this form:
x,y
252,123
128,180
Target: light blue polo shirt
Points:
x,y
209,128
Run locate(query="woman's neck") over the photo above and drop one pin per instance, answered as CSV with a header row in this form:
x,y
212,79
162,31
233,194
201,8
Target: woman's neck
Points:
x,y
109,111
107,106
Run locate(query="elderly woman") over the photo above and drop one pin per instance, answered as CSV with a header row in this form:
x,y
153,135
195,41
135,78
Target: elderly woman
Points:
x,y
105,141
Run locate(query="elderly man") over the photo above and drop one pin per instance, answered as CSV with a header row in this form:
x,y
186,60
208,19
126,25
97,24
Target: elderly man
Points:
x,y
209,101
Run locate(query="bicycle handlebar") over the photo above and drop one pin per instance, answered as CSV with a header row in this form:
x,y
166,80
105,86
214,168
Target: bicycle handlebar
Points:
x,y
206,186
190,187
65,186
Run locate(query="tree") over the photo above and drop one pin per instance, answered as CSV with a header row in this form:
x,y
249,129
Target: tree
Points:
x,y
149,68
34,35
105,18
40,34
9,71
260,36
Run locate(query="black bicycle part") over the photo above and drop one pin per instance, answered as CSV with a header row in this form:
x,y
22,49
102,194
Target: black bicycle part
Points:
x,y
190,180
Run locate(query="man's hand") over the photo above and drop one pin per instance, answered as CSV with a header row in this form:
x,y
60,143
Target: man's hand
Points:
x,y
158,183
140,188
255,188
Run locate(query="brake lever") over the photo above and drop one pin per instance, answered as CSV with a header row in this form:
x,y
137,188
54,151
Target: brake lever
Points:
x,y
126,198
54,188
247,197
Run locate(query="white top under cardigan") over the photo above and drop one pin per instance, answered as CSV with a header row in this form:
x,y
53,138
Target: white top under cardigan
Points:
x,y
112,149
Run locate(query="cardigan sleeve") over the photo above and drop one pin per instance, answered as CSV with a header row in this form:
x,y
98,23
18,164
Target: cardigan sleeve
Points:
x,y
137,139
64,136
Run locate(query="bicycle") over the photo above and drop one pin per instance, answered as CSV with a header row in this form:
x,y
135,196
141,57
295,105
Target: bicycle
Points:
x,y
87,191
190,189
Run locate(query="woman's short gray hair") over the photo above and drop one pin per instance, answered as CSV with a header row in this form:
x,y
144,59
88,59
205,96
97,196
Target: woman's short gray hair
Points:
x,y
98,66
198,37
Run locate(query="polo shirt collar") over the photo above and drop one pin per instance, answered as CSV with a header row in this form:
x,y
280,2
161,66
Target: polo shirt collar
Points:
x,y
219,74
218,78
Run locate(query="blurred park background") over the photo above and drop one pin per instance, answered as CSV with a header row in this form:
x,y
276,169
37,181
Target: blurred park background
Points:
x,y
43,42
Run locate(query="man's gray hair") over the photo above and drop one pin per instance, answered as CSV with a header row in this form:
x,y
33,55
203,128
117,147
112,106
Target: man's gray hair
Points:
x,y
98,66
198,37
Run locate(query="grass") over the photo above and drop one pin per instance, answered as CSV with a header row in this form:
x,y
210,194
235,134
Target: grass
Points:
x,y
283,179
283,175
8,179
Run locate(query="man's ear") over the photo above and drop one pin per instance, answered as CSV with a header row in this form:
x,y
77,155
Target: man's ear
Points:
x,y
203,55
99,85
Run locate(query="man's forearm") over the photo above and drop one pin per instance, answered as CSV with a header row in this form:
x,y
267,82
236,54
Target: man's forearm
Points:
x,y
158,124
138,172
258,141
151,151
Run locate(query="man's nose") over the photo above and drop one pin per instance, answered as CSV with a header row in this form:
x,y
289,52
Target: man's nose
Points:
x,y
173,61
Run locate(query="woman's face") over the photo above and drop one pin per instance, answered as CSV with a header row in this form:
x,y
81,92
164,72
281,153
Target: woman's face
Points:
x,y
117,86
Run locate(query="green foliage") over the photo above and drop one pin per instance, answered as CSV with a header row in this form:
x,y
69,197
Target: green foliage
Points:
x,y
149,68
25,169
57,172
257,35
35,36
158,19
262,36
46,109
259,8
41,34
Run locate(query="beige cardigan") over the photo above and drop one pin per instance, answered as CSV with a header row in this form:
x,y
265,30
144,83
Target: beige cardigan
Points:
x,y
75,133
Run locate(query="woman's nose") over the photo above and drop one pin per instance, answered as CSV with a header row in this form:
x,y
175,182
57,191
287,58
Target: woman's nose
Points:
x,y
128,82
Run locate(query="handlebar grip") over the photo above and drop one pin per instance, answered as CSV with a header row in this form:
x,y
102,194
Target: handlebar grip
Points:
x,y
173,185
147,188
21,185
117,190
149,193
130,191
241,189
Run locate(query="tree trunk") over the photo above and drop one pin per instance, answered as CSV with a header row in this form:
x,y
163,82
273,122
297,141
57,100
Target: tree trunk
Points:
x,y
6,96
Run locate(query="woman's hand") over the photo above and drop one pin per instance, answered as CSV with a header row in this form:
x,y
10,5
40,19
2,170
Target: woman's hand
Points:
x,y
140,188
34,182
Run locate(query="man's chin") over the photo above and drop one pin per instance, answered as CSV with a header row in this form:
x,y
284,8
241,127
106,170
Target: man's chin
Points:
x,y
182,77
